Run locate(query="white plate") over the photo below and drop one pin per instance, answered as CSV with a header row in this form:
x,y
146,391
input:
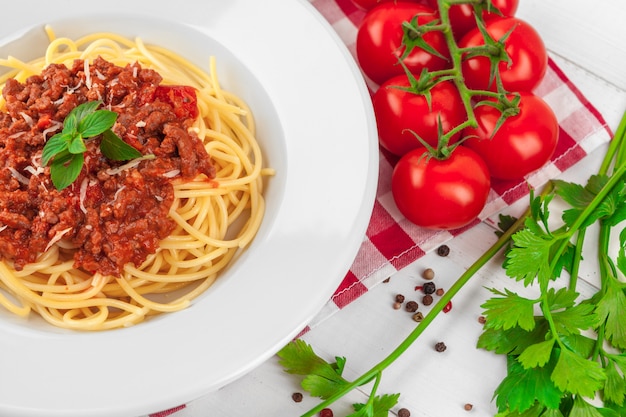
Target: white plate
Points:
x,y
316,128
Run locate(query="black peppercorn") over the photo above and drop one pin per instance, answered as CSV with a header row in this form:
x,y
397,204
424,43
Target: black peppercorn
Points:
x,y
429,287
411,306
440,347
427,300
443,250
403,412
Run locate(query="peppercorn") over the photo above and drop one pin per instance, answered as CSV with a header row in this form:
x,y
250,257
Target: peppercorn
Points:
x,y
482,319
403,412
468,407
418,316
296,396
397,305
429,287
411,306
443,250
439,292
440,347
427,300
326,412
428,274
399,298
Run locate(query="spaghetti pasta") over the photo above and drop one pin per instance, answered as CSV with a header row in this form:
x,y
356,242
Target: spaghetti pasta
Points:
x,y
213,219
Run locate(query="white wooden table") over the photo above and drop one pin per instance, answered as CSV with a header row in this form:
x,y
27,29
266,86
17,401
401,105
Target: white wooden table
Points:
x,y
589,44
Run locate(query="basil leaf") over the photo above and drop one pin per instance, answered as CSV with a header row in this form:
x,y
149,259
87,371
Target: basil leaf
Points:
x,y
55,145
95,123
77,145
82,110
113,147
65,169
70,124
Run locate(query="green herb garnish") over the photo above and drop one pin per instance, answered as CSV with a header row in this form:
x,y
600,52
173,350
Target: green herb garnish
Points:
x,y
64,151
562,350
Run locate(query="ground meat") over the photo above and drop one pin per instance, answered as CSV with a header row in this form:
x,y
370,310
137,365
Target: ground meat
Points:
x,y
110,218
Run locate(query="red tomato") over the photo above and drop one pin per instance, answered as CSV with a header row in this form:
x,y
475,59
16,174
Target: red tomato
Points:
x,y
525,48
522,144
441,194
398,111
462,18
181,97
370,4
379,42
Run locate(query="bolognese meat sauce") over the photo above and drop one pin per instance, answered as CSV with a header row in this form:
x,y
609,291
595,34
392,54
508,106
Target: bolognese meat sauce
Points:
x,y
115,212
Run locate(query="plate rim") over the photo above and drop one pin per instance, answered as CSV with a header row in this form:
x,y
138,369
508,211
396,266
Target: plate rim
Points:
x,y
352,243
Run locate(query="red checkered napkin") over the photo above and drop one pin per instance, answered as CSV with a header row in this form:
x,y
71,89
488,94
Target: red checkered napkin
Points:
x,y
393,242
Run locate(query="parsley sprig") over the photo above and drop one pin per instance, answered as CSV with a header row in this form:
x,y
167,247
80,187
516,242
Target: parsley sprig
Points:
x,y
562,350
575,350
64,151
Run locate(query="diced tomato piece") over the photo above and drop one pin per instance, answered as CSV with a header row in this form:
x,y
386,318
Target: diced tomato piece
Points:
x,y
182,98
44,122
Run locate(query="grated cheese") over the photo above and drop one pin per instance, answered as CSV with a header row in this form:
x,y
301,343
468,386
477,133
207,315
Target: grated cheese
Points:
x,y
172,173
16,135
18,176
83,195
27,118
58,236
118,192
34,171
55,126
133,163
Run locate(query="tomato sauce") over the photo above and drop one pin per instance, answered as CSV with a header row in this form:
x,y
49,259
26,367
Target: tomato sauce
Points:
x,y
112,214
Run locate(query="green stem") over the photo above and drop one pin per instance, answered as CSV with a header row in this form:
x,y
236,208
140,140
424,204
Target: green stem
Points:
x,y
456,54
428,319
375,388
604,263
614,180
453,2
575,267
616,147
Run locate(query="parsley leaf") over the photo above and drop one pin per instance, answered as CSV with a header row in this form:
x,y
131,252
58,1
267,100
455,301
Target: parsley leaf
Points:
x,y
522,387
582,408
378,408
610,313
529,257
509,311
615,386
578,375
322,379
537,354
574,319
561,299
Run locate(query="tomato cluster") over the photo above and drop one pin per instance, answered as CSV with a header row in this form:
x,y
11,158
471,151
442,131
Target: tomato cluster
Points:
x,y
454,101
